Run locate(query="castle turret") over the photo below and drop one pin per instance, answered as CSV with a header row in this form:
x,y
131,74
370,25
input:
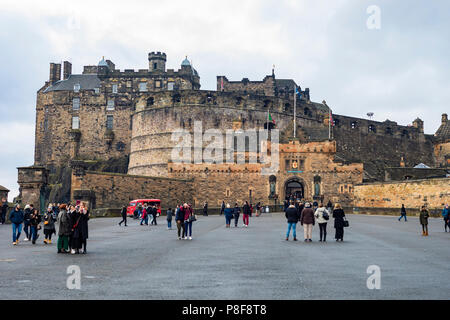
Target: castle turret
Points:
x,y
418,123
157,61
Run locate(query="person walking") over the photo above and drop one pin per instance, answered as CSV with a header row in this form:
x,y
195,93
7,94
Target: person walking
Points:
x,y
26,222
35,221
258,209
49,225
228,212
145,214
16,218
222,208
339,215
169,219
402,213
307,221
292,217
64,228
285,205
123,213
179,219
423,218
154,213
205,208
236,213
446,216
246,210
322,216
188,219
3,209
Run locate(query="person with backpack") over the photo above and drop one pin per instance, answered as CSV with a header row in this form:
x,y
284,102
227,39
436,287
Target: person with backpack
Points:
x,y
322,216
423,219
292,217
49,225
402,213
446,216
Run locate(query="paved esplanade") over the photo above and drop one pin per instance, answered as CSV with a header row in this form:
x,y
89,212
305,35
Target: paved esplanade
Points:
x,y
141,262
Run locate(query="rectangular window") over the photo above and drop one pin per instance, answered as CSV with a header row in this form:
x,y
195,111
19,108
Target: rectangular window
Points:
x,y
110,105
109,122
287,164
143,86
157,84
76,104
75,122
76,87
114,88
96,90
128,84
170,86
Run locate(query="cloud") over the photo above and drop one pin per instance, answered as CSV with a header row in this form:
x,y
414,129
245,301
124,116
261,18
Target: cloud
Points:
x,y
398,72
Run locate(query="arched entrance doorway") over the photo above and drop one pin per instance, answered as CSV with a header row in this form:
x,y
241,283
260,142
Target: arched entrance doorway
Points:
x,y
294,187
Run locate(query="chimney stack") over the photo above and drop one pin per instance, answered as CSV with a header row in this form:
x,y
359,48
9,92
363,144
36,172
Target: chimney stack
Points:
x,y
67,70
55,72
444,118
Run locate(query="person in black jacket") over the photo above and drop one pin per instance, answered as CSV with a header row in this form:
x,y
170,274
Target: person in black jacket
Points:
x,y
16,218
154,212
179,219
236,213
338,215
205,208
26,221
124,216
246,213
292,217
35,220
4,208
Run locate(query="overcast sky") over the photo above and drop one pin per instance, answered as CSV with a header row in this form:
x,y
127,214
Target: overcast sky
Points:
x,y
399,72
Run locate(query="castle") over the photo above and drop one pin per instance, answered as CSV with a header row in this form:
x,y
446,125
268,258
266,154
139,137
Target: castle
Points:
x,y
104,136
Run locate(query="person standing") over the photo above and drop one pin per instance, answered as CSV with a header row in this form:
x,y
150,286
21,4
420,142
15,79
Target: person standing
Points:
x,y
292,217
35,220
123,213
236,213
16,218
188,219
246,210
64,227
179,219
49,225
423,218
258,209
205,208
285,205
329,206
322,216
84,234
169,219
307,221
446,216
339,215
76,242
402,213
222,208
3,209
228,212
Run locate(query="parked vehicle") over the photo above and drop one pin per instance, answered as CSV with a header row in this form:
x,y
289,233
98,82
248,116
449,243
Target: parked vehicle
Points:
x,y
134,203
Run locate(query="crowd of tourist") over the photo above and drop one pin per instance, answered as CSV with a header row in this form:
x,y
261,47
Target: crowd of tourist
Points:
x,y
71,220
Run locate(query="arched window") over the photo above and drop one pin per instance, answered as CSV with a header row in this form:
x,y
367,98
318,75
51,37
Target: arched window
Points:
x,y
372,128
150,101
354,125
273,184
388,130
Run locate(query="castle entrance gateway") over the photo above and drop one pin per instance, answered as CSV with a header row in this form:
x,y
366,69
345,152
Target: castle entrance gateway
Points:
x,y
294,187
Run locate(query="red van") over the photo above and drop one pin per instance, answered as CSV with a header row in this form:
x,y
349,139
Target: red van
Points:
x,y
134,203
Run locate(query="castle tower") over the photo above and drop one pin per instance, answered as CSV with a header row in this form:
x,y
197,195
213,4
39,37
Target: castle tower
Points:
x,y
157,61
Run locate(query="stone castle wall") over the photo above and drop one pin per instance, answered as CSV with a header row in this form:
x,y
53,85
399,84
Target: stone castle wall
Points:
x,y
412,193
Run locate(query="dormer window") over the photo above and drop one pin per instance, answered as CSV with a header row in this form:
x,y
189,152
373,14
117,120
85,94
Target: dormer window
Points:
x,y
76,87
110,105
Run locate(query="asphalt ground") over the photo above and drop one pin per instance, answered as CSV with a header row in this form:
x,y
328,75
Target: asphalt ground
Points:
x,y
149,262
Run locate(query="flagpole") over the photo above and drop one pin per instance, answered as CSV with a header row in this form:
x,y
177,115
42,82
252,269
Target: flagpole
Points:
x,y
329,124
295,111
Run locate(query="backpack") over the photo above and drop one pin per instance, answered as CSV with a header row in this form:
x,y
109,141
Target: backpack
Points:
x,y
325,215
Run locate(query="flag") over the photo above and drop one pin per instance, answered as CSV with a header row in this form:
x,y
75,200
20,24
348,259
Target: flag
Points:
x,y
299,94
331,119
270,119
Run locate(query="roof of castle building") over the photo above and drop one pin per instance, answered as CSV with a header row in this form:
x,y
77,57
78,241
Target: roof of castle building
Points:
x,y
86,82
2,188
102,63
285,83
186,62
443,132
